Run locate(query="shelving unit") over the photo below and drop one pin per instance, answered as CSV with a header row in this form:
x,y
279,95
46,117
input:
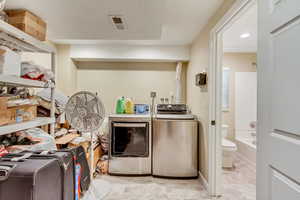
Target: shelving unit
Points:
x,y
21,82
40,121
27,43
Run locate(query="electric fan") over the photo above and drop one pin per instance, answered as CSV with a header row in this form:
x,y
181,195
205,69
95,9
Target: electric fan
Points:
x,y
85,113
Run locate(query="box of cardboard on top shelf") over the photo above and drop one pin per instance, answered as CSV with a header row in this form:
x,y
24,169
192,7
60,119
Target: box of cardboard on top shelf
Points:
x,y
28,22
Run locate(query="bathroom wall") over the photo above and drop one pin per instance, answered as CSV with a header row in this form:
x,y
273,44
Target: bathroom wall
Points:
x,y
236,62
132,79
198,98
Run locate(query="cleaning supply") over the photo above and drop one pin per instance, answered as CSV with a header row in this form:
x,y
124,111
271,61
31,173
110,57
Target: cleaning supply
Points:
x,y
129,106
120,108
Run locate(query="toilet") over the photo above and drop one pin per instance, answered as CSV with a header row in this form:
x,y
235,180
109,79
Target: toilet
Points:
x,y
229,148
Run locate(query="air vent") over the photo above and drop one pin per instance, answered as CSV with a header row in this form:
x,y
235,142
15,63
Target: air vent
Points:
x,y
118,22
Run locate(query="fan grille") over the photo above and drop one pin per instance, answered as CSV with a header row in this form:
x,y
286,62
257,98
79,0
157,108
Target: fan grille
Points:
x,y
85,112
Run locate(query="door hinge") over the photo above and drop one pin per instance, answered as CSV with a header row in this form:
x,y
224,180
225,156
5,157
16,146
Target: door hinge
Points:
x,y
213,122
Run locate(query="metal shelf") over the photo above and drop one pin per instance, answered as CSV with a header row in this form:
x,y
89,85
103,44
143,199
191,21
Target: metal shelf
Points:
x,y
23,40
21,82
14,38
40,121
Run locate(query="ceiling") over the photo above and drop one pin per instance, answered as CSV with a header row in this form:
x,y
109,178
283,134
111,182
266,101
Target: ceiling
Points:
x,y
246,24
148,22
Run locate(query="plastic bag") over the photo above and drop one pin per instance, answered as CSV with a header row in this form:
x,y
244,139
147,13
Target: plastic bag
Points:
x,y
32,71
43,141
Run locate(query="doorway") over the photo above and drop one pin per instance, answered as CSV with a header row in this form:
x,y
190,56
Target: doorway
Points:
x,y
239,105
225,101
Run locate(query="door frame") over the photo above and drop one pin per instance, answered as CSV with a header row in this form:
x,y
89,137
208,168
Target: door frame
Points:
x,y
215,93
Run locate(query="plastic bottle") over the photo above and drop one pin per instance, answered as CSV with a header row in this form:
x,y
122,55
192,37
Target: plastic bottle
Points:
x,y
129,106
120,108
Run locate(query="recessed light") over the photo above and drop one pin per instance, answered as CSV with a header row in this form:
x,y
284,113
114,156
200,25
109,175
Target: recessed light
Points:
x,y
245,35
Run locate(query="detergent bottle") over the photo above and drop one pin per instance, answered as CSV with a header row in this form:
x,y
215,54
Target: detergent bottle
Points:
x,y
129,106
120,108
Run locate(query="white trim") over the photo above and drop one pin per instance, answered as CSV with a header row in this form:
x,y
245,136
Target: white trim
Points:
x,y
215,94
130,53
203,181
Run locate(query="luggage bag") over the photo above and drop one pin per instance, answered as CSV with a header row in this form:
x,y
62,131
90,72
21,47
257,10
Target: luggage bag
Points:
x,y
81,160
66,162
30,179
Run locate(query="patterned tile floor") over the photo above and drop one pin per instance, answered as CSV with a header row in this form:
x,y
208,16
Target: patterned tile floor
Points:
x,y
239,184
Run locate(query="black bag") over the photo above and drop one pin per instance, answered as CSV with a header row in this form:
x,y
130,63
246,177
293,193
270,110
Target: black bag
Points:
x,y
66,162
30,179
80,159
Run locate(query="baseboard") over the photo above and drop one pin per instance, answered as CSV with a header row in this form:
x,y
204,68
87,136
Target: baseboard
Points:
x,y
203,180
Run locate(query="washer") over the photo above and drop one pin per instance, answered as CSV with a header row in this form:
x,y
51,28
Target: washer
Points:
x,y
175,146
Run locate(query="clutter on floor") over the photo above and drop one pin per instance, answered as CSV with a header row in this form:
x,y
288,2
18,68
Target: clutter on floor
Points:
x,y
34,139
37,139
40,152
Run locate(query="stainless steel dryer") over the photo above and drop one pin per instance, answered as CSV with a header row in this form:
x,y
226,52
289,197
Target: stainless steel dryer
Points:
x,y
130,145
175,145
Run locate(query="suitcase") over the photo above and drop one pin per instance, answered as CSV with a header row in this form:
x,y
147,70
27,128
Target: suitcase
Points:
x,y
66,162
30,179
81,161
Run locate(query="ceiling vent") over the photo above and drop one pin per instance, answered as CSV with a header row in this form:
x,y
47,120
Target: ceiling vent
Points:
x,y
118,22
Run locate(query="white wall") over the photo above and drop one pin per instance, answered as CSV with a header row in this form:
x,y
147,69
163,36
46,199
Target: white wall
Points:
x,y
198,98
236,62
132,79
130,53
66,71
245,94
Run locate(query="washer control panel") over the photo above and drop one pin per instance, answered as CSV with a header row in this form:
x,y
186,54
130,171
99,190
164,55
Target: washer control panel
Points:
x,y
171,108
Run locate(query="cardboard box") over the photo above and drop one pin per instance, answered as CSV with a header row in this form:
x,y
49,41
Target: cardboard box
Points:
x,y
66,139
23,113
5,117
3,103
28,22
18,114
97,155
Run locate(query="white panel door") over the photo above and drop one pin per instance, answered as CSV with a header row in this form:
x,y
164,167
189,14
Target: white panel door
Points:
x,y
278,174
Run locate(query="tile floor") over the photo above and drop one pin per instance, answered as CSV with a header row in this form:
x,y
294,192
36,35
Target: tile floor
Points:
x,y
239,184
